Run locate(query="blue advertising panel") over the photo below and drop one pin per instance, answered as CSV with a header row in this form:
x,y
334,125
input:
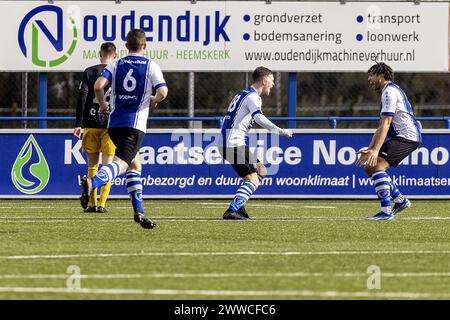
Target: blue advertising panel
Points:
x,y
186,164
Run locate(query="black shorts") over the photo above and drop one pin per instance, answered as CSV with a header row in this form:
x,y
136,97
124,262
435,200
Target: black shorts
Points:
x,y
241,159
128,142
397,149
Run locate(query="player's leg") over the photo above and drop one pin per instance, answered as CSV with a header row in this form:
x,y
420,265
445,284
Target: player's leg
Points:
x,y
125,145
400,201
93,160
106,173
246,168
242,195
109,171
105,189
91,144
394,151
261,172
382,185
134,184
108,150
134,188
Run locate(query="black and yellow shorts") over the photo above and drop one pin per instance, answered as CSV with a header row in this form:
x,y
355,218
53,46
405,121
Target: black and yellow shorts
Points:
x,y
97,140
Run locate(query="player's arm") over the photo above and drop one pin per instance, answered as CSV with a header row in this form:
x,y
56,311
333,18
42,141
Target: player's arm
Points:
x,y
81,103
254,105
99,89
160,95
370,155
270,126
381,133
160,85
388,108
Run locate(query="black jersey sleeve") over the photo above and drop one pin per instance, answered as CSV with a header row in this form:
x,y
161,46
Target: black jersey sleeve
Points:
x,y
81,100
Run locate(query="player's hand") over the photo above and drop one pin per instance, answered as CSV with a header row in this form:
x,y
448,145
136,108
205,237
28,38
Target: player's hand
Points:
x,y
77,132
289,133
153,102
103,108
368,157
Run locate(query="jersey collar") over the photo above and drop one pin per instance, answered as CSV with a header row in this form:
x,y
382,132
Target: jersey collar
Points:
x,y
386,85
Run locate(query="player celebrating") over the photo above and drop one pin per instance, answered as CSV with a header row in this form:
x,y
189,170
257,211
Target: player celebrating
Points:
x,y
132,78
243,110
398,123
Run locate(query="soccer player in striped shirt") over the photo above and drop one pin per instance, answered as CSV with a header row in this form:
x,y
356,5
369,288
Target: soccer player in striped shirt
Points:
x,y
244,109
133,79
404,132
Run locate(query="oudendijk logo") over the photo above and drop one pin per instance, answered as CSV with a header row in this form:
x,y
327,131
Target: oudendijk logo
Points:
x,y
38,26
30,173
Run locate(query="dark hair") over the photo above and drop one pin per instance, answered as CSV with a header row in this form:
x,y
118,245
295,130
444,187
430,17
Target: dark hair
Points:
x,y
108,49
136,39
383,69
260,73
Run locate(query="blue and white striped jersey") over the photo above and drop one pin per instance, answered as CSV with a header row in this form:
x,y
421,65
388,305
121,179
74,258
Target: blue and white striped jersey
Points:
x,y
133,79
394,103
239,117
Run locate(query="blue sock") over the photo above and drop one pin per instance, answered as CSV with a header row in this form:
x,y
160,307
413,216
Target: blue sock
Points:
x,y
134,188
106,173
242,195
395,193
383,189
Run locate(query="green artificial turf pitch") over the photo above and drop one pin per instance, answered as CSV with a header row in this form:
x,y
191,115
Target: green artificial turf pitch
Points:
x,y
314,249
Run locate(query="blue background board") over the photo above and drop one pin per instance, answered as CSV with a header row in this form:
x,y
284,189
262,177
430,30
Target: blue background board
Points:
x,y
312,164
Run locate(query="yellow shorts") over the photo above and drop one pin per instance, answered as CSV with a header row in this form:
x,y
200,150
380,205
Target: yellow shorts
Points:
x,y
97,140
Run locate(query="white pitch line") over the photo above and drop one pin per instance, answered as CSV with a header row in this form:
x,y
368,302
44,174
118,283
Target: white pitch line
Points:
x,y
76,208
91,218
397,274
260,293
212,254
216,219
318,207
248,205
224,275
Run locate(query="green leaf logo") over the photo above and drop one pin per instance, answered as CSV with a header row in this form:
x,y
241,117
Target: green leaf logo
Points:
x,y
23,171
